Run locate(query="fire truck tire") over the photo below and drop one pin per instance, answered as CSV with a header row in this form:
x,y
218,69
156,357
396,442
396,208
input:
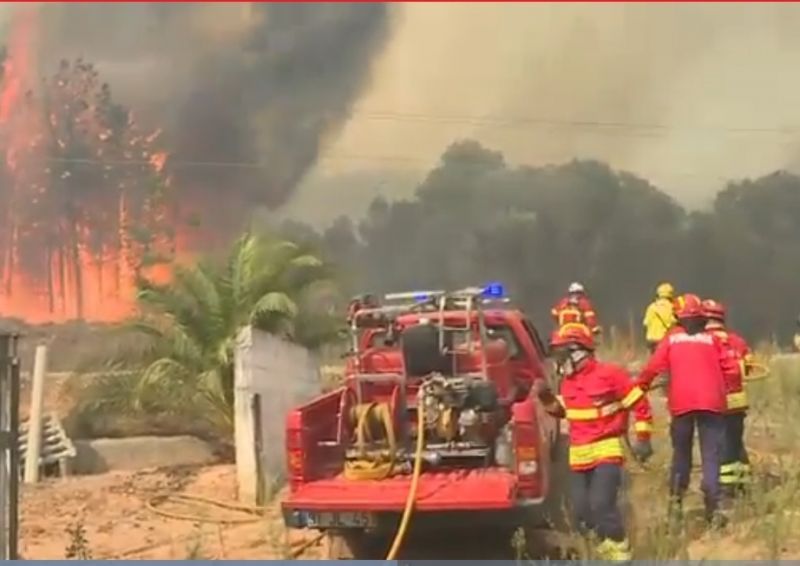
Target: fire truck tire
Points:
x,y
349,545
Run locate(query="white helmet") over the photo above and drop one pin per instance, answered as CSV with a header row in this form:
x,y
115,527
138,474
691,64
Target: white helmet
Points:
x,y
575,288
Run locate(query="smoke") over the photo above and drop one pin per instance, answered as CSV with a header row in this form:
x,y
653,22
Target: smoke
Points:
x,y
232,85
549,71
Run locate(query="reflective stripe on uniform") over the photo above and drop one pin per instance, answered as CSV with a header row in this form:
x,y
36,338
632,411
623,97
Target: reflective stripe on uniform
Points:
x,y
562,315
593,413
642,426
632,397
736,400
613,551
584,454
734,473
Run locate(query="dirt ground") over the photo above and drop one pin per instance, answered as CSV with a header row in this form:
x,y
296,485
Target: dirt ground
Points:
x,y
112,509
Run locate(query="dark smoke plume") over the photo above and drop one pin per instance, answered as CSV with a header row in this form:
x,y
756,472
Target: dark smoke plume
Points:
x,y
229,83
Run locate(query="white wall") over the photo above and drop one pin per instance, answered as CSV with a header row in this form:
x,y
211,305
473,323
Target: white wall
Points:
x,y
281,375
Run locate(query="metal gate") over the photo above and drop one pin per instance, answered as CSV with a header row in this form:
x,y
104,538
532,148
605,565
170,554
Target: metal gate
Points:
x,y
9,449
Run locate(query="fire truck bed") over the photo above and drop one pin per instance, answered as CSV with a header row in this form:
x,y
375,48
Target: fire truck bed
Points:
x,y
489,488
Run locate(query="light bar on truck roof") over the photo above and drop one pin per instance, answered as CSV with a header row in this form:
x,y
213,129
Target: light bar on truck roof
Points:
x,y
494,290
417,296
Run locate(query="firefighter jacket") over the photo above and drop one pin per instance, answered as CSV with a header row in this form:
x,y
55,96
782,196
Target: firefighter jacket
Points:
x,y
734,367
659,318
596,401
694,363
581,311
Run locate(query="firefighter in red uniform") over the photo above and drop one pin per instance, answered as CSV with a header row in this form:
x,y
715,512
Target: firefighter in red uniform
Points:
x,y
696,398
575,308
596,399
734,471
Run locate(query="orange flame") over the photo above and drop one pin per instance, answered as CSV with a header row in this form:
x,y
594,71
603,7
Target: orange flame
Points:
x,y
64,257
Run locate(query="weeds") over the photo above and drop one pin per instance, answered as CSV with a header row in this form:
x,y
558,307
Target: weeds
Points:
x,y
765,522
78,548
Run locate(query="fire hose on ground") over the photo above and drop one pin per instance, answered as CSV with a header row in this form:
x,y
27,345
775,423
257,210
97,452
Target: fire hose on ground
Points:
x,y
255,513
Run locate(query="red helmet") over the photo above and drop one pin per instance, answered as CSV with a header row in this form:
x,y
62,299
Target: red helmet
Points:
x,y
688,306
573,334
714,309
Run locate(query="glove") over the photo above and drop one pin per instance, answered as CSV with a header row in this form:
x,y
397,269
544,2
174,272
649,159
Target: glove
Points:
x,y
642,449
543,391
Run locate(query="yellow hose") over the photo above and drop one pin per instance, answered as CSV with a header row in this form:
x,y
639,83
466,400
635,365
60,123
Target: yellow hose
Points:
x,y
412,492
375,465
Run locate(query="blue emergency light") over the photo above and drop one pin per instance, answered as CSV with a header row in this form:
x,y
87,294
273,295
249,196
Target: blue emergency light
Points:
x,y
421,298
493,291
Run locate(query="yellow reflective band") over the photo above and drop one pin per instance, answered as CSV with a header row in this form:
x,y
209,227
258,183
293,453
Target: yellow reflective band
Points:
x,y
727,469
736,400
642,426
632,397
584,454
612,551
568,312
593,413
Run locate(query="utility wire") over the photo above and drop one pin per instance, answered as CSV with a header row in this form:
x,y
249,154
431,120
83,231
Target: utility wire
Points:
x,y
532,121
182,164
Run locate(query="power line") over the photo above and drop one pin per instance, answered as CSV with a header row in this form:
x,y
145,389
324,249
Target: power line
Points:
x,y
178,163
616,127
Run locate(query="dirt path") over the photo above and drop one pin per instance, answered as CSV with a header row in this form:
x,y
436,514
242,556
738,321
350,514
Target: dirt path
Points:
x,y
111,508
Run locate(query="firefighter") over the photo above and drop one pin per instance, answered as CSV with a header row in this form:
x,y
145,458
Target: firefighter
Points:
x,y
575,308
696,399
659,317
596,399
734,471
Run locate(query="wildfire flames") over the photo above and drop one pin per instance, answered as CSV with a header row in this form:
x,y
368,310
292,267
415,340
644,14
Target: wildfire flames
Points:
x,y
83,192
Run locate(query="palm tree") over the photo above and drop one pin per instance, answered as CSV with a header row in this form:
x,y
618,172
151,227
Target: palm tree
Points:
x,y
182,361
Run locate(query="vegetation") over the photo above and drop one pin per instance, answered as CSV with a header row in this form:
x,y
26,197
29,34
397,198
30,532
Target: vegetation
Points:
x,y
476,218
178,362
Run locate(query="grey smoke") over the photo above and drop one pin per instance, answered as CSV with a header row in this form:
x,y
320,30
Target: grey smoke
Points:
x,y
229,83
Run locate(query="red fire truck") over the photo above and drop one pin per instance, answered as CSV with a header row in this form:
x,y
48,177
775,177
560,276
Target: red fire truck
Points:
x,y
434,426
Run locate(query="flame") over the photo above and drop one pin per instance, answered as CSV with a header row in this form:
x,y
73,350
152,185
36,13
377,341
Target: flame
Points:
x,y
74,232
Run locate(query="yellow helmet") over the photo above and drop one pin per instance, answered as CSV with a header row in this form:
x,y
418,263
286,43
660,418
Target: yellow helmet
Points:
x,y
665,291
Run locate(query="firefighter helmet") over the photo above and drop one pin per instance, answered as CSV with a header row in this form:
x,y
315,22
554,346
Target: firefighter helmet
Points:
x,y
573,335
714,309
688,306
665,291
575,287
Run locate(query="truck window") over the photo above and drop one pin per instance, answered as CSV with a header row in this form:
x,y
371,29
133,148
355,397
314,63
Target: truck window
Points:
x,y
534,336
505,333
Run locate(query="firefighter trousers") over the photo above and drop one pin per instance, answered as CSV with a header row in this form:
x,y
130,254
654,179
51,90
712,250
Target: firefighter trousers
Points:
x,y
711,430
595,506
734,471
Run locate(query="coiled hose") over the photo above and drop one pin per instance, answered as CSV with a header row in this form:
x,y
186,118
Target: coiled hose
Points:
x,y
379,465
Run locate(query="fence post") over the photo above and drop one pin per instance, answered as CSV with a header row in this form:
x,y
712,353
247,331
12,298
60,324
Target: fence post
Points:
x,y
9,447
34,448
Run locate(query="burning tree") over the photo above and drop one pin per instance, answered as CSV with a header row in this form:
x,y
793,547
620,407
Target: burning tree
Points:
x,y
83,197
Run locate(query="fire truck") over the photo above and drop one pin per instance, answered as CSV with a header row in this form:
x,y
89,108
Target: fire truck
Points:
x,y
433,427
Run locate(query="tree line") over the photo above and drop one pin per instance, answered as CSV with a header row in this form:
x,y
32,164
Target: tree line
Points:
x,y
476,218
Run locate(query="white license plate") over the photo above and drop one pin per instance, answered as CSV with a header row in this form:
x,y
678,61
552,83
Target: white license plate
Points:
x,y
344,519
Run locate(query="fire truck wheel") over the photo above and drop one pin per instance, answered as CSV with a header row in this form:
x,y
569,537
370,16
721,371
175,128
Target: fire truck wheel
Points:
x,y
346,545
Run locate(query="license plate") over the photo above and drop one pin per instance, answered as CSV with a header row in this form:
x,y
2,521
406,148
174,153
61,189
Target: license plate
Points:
x,y
343,519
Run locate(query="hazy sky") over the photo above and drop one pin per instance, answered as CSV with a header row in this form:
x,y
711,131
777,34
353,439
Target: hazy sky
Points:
x,y
687,95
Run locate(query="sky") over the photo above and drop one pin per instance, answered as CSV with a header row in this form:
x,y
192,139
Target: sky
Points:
x,y
686,95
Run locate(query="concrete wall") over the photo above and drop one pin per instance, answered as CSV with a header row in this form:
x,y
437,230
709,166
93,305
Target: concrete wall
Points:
x,y
139,452
272,376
